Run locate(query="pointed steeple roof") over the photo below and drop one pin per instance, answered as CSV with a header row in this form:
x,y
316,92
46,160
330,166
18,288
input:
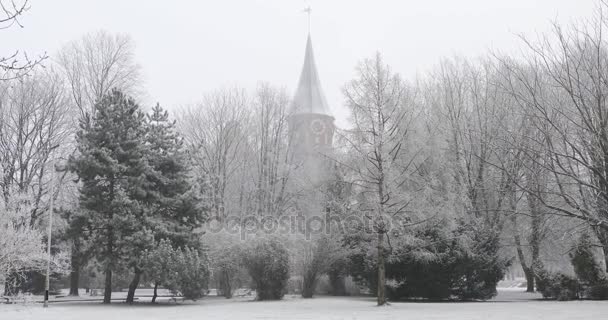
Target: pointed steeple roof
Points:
x,y
309,97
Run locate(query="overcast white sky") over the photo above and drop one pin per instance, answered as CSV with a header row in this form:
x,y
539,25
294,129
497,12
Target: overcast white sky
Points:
x,y
187,48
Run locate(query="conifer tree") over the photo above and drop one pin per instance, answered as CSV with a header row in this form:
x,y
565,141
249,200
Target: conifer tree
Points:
x,y
172,205
178,207
112,167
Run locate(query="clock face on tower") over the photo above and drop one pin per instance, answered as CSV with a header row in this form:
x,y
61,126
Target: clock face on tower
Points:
x,y
317,127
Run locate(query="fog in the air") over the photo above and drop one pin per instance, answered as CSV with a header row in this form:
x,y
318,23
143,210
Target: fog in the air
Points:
x,y
186,48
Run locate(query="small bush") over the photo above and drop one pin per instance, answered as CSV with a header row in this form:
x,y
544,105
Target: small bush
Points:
x,y
583,260
598,291
557,286
594,284
267,262
441,266
184,271
192,273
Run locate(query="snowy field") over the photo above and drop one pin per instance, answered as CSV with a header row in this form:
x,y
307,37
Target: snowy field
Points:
x,y
509,304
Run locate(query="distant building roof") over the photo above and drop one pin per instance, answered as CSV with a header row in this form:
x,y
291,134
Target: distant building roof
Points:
x,y
309,97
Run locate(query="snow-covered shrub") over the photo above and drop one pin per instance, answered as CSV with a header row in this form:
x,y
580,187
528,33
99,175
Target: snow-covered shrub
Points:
x,y
316,258
438,263
161,267
590,281
556,286
225,260
267,261
481,267
593,281
21,246
361,265
22,250
192,273
183,271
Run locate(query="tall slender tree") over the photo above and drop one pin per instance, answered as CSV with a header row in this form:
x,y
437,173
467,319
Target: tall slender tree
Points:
x,y
377,101
172,208
111,165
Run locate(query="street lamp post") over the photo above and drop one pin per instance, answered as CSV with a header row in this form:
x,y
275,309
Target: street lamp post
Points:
x,y
48,245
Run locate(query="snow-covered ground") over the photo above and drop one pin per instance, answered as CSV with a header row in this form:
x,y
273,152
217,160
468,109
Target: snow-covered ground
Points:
x,y
508,305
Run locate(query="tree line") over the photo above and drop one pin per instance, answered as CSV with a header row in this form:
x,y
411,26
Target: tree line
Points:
x,y
477,165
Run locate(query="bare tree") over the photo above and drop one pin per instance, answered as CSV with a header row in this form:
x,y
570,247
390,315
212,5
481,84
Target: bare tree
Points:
x,y
215,132
97,63
474,115
34,126
11,67
270,149
384,160
563,84
488,152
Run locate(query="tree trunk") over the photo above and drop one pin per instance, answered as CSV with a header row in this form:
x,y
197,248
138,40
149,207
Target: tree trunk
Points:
x,y
530,276
75,272
603,237
133,286
309,283
536,235
225,286
107,293
155,294
528,271
338,284
381,271
534,240
74,280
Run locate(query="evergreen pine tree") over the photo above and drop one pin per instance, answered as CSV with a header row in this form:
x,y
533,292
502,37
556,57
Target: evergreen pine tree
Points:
x,y
111,165
177,199
172,203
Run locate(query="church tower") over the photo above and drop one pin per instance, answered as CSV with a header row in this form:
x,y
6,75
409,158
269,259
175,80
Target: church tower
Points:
x,y
311,131
311,125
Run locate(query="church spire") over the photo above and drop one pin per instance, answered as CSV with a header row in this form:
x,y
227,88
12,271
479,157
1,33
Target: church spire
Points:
x,y
309,97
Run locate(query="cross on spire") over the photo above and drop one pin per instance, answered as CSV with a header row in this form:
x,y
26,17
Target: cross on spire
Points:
x,y
308,10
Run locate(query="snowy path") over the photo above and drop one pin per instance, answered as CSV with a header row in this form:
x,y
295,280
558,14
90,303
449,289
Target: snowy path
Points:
x,y
317,309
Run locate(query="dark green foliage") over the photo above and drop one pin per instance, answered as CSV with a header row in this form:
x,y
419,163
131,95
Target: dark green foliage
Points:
x,y
337,273
184,271
446,267
590,281
439,264
171,204
556,285
160,265
267,262
583,260
361,265
226,267
589,272
481,267
77,235
112,168
598,291
175,200
135,186
192,269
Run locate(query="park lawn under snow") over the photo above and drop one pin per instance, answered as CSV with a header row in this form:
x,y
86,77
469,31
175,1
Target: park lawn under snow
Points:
x,y
509,306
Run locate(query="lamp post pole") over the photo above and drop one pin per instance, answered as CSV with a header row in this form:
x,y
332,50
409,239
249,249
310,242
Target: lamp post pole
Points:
x,y
48,245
